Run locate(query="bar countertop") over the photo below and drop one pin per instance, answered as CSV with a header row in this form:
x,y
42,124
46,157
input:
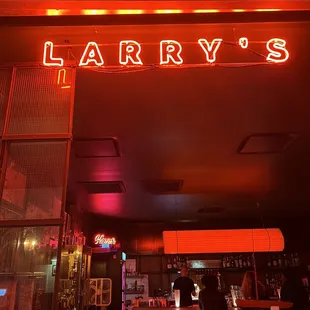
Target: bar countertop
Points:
x,y
174,308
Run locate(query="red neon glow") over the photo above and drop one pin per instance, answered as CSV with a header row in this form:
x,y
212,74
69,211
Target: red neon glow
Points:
x,y
100,239
91,55
244,43
170,52
223,241
129,51
48,59
210,49
62,78
277,50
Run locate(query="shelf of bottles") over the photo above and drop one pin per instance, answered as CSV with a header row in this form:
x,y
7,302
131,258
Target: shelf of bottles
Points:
x,y
273,276
242,261
74,276
176,262
283,260
237,261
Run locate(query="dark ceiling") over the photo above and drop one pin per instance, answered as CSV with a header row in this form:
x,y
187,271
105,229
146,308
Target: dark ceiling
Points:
x,y
178,144
185,128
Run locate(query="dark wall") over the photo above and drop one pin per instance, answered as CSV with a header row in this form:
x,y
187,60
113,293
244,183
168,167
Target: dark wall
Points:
x,y
144,241
146,238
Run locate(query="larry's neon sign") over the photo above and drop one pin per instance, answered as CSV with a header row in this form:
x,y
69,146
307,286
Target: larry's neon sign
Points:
x,y
170,52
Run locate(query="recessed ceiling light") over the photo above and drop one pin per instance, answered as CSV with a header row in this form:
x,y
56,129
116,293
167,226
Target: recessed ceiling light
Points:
x,y
268,143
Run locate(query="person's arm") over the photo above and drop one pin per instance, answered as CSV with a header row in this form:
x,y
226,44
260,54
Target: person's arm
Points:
x,y
176,285
193,289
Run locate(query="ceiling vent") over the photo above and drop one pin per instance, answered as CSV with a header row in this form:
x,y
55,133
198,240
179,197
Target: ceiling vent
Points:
x,y
111,187
96,148
270,143
163,186
211,210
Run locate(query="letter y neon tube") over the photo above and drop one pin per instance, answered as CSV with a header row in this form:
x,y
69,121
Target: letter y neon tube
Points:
x,y
210,49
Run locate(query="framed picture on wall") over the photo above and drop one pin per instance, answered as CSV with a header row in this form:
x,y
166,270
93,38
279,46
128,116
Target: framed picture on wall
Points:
x,y
53,270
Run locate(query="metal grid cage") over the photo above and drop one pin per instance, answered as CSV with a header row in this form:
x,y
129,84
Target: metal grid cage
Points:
x,y
34,180
41,101
5,82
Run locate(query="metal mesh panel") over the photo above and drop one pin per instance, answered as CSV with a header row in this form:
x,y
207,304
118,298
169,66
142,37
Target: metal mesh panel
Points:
x,y
34,180
41,101
5,82
28,257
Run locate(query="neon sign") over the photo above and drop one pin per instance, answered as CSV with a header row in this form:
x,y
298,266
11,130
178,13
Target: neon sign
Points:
x,y
62,78
170,52
103,241
210,49
91,55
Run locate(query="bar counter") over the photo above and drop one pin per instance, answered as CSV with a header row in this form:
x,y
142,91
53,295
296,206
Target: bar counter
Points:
x,y
173,308
242,304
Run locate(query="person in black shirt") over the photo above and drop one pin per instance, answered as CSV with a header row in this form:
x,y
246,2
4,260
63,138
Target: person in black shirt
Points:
x,y
186,287
210,298
293,290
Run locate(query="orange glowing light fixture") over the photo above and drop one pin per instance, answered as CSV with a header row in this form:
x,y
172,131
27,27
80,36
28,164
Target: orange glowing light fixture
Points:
x,y
206,11
129,12
223,241
168,11
94,12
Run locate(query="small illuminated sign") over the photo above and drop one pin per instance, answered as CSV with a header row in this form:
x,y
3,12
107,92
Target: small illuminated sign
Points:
x,y
104,242
170,52
2,292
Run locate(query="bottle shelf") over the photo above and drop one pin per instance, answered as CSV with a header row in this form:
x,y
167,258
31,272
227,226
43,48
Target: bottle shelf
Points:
x,y
132,292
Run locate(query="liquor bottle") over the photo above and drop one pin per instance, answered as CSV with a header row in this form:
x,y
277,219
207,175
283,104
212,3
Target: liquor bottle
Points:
x,y
237,262
249,261
286,264
292,260
240,261
175,266
179,263
245,263
274,261
232,262
224,262
267,279
280,261
269,261
228,265
169,265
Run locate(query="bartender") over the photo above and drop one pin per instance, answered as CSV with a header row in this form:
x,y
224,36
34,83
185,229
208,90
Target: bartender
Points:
x,y
186,287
